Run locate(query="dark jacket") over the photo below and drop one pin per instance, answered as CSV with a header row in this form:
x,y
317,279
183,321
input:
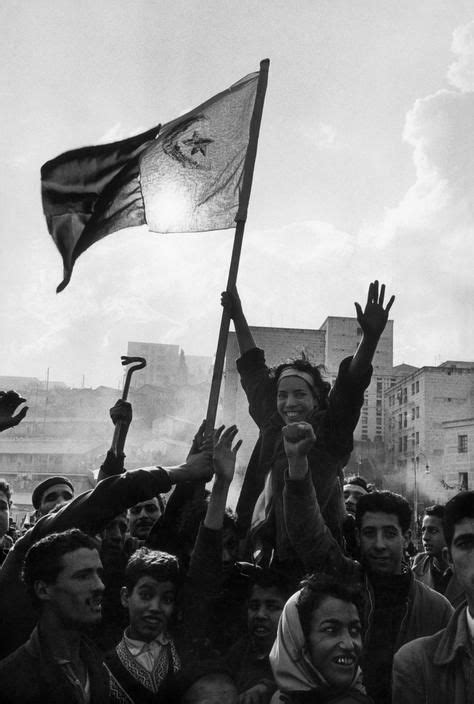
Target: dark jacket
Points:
x,y
438,668
31,675
333,426
422,568
90,511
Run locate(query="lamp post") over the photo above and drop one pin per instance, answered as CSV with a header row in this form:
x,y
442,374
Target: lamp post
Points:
x,y
416,460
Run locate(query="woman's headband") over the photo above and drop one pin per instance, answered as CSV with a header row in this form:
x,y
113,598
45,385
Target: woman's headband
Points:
x,y
292,371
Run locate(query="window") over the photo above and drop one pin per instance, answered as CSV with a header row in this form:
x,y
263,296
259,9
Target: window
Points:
x,y
400,444
405,420
405,395
413,414
463,481
405,443
417,386
379,387
462,443
417,438
412,389
417,409
400,421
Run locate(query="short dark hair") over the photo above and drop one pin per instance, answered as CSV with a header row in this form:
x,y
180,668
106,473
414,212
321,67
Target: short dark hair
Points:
x,y
196,669
459,507
5,487
358,481
384,502
317,587
268,578
437,511
152,563
321,388
43,561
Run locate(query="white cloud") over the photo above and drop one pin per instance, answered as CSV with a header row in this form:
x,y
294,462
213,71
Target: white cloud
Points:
x,y
322,136
461,71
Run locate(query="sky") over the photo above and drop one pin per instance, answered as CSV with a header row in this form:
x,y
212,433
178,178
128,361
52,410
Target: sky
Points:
x,y
364,170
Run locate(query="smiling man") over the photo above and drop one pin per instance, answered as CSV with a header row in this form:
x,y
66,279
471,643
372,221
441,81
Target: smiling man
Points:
x,y
58,664
440,668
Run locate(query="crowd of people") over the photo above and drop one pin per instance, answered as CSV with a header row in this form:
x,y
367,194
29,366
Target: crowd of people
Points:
x,y
307,593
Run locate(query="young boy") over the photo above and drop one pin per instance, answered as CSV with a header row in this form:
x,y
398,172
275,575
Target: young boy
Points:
x,y
145,660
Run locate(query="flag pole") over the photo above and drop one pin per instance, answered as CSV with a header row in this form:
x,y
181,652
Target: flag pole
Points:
x,y
240,219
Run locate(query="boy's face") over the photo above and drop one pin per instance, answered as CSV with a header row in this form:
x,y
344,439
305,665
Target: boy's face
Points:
x,y
150,606
432,535
263,613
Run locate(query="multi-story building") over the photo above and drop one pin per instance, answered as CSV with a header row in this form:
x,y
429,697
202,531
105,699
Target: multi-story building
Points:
x,y
429,423
162,363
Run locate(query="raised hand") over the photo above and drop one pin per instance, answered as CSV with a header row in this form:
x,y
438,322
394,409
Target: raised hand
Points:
x,y
298,439
230,301
374,318
121,412
9,402
224,454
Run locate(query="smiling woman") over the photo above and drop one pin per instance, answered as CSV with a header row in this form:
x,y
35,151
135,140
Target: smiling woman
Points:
x,y
315,657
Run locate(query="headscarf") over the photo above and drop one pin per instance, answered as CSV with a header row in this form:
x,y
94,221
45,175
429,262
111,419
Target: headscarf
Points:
x,y
290,660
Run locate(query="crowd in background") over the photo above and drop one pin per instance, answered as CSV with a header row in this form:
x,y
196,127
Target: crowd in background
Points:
x,y
148,588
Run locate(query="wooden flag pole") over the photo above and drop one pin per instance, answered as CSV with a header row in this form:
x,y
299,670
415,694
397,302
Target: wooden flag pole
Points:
x,y
240,218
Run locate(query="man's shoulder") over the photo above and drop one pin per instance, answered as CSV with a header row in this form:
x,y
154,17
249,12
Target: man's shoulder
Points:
x,y
413,652
428,595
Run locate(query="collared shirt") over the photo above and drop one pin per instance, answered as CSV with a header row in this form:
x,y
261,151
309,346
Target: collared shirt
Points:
x,y
146,654
83,692
470,622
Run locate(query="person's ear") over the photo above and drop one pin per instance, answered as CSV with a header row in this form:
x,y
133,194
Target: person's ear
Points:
x,y
42,590
446,556
124,597
406,538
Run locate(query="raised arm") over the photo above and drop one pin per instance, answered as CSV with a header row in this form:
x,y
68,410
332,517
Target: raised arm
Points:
x,y
9,402
231,303
372,322
121,415
309,535
224,466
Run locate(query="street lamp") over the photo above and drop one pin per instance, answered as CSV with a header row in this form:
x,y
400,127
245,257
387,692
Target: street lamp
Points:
x,y
416,460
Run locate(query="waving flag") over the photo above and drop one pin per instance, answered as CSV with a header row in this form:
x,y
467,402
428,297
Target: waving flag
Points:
x,y
185,177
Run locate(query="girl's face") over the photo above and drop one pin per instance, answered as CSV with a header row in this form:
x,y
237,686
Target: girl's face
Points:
x,y
335,641
295,400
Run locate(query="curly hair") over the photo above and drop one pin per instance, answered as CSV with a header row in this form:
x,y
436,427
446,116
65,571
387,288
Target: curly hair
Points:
x,y
43,561
321,387
384,502
317,587
156,564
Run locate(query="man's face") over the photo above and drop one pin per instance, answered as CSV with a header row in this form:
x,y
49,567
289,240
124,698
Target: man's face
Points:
x,y
212,689
4,514
295,400
55,495
263,612
335,641
76,595
150,607
113,535
462,557
142,518
382,542
432,535
352,494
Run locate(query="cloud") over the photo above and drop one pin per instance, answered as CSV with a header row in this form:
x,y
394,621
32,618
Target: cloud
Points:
x,y
322,136
461,71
